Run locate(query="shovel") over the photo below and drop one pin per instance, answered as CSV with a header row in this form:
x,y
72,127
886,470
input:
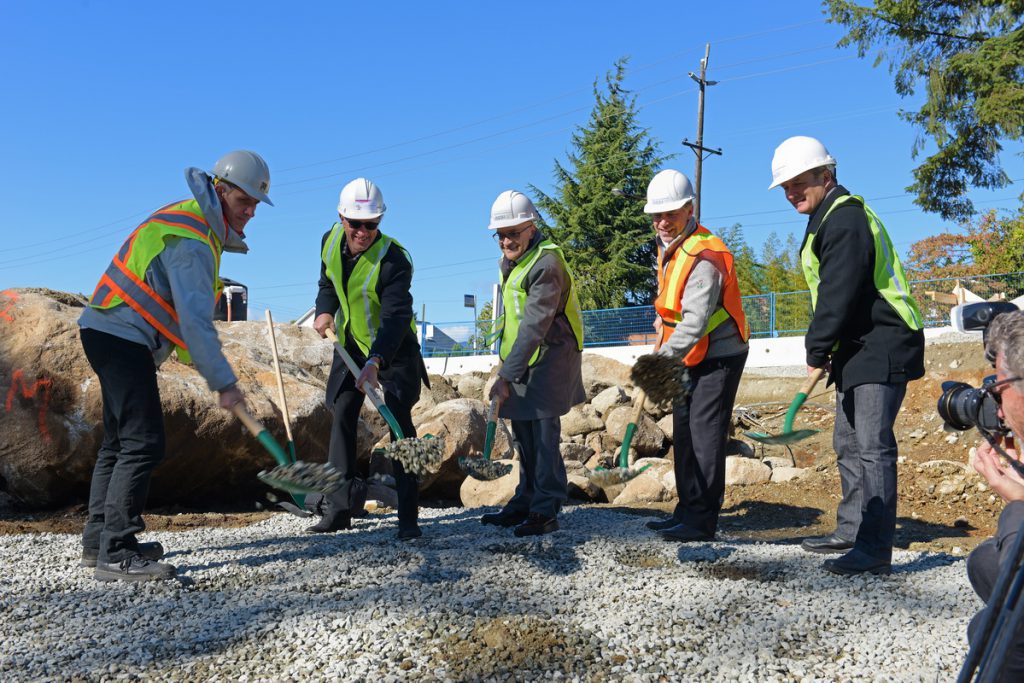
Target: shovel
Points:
x,y
788,436
623,473
418,456
483,468
298,507
293,477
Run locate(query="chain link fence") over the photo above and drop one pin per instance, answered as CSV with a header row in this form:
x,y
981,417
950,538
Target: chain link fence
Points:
x,y
775,314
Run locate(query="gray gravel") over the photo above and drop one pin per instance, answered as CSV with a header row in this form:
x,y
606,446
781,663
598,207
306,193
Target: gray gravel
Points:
x,y
603,599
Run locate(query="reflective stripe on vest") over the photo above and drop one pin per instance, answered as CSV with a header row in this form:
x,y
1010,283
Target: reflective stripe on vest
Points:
x,y
124,281
359,312
672,278
513,297
889,278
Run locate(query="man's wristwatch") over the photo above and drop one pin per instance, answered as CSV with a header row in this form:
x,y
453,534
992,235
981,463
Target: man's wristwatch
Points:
x,y
375,360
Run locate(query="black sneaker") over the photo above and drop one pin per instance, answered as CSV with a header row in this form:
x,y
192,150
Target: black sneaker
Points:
x,y
135,568
537,525
505,518
151,551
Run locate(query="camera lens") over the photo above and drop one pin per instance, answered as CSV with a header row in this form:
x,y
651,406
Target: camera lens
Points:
x,y
962,406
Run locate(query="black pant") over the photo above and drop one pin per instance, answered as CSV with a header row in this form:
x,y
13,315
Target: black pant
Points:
x,y
342,452
543,487
700,433
133,443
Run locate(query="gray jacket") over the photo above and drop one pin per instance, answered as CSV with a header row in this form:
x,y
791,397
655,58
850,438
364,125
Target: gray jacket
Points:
x,y
702,296
183,274
555,383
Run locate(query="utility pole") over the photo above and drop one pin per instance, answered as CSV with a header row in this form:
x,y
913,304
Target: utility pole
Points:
x,y
698,147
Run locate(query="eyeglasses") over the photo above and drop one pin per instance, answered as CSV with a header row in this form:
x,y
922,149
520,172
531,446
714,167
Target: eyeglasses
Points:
x,y
996,388
658,217
368,226
499,237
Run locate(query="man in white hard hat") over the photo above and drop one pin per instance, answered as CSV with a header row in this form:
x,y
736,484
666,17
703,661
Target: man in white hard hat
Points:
x,y
365,295
866,330
700,322
540,376
158,295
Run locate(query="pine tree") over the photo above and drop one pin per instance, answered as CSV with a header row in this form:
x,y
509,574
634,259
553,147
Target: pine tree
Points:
x,y
608,241
967,57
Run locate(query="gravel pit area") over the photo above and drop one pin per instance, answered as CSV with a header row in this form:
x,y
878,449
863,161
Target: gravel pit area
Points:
x,y
604,599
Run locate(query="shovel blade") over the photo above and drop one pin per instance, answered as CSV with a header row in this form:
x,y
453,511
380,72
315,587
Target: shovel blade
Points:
x,y
302,477
615,475
484,469
782,439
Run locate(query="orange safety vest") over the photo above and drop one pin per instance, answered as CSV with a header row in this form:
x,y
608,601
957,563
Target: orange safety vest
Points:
x,y
124,281
672,281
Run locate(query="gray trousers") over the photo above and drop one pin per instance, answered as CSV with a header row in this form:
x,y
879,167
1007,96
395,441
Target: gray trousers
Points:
x,y
543,486
866,450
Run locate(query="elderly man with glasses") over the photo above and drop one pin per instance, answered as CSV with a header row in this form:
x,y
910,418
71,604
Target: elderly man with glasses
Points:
x,y
365,295
540,378
1006,345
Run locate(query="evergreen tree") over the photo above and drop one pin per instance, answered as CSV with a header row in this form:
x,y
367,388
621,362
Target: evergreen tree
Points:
x,y
969,56
608,241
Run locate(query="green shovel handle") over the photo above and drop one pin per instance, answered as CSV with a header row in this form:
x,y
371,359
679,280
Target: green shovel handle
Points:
x,y
800,397
492,426
375,398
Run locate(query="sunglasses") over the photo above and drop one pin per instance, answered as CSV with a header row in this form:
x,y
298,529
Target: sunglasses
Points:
x,y
368,226
500,237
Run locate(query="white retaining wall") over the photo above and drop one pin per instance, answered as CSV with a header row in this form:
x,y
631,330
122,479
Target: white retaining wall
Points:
x,y
779,352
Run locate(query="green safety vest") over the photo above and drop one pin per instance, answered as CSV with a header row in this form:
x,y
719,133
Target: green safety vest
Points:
x,y
513,298
889,277
124,281
359,313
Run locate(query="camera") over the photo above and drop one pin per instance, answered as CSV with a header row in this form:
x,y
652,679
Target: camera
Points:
x,y
962,406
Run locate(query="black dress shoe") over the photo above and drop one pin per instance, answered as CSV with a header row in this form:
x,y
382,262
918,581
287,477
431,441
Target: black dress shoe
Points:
x,y
134,568
406,533
151,551
504,518
662,524
826,544
686,534
857,562
536,525
330,523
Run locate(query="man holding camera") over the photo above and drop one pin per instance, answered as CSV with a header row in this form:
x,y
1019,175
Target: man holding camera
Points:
x,y
867,331
1006,344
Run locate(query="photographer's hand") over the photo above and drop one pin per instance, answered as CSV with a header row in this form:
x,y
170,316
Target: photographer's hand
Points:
x,y
1003,479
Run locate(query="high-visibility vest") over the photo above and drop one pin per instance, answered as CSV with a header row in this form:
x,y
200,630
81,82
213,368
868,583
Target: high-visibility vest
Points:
x,y
359,313
889,278
124,281
672,281
513,299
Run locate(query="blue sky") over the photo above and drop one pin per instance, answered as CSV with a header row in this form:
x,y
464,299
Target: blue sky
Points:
x,y
443,104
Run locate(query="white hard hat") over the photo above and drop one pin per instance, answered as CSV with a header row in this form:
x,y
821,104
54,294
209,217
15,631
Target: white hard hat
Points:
x,y
668,191
361,200
510,209
246,170
796,155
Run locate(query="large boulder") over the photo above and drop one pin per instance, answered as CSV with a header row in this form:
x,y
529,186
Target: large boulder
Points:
x,y
608,399
601,372
580,420
655,484
462,422
439,392
648,438
745,471
475,493
51,424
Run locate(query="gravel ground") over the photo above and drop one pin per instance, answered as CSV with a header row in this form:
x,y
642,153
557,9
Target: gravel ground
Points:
x,y
602,600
